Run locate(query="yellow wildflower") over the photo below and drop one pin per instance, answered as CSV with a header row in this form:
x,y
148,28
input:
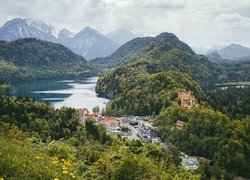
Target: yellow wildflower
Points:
x,y
64,162
1,178
65,172
37,157
54,162
54,158
71,174
64,167
67,163
56,178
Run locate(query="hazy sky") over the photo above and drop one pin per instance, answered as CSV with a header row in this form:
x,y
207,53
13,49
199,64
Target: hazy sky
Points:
x,y
198,22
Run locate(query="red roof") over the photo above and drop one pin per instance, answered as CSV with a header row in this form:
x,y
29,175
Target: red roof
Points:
x,y
110,121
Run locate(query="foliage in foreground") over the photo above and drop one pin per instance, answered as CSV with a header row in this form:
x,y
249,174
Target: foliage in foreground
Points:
x,y
20,158
211,135
59,147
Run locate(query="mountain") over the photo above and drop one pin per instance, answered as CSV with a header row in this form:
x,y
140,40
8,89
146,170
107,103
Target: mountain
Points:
x,y
25,28
138,59
139,47
214,57
150,73
123,53
32,59
234,52
64,37
121,36
90,44
216,47
143,57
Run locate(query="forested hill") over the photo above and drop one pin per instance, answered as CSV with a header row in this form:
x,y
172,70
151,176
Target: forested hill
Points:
x,y
123,53
236,71
139,93
139,46
30,58
134,88
165,52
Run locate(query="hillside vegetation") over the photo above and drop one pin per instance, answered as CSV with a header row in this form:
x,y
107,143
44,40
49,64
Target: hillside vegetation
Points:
x,y
232,101
166,52
211,135
141,93
235,72
32,59
39,142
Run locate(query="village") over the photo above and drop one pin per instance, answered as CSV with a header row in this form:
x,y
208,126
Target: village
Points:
x,y
140,127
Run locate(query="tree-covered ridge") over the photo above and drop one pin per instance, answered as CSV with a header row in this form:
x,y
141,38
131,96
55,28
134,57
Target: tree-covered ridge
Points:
x,y
138,46
37,117
211,135
197,67
166,52
163,53
39,142
31,59
141,93
123,53
235,71
232,101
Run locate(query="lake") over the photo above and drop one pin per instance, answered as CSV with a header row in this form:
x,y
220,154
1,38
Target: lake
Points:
x,y
59,93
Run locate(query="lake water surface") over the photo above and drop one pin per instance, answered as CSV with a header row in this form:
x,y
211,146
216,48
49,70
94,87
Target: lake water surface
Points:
x,y
59,93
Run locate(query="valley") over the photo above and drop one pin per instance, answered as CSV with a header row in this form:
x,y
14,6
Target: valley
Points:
x,y
138,108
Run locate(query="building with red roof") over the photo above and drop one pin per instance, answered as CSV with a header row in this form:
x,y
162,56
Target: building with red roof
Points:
x,y
111,123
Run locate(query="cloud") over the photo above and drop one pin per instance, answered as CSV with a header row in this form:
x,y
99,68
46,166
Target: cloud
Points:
x,y
230,18
232,21
161,4
200,23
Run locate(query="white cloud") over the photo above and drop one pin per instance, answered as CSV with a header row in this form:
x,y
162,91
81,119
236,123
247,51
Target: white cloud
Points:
x,y
232,21
160,4
200,23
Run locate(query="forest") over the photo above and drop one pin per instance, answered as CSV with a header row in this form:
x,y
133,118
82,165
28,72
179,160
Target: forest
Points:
x,y
234,102
142,94
209,134
29,58
39,142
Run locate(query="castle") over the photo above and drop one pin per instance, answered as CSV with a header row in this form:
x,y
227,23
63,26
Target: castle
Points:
x,y
187,100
